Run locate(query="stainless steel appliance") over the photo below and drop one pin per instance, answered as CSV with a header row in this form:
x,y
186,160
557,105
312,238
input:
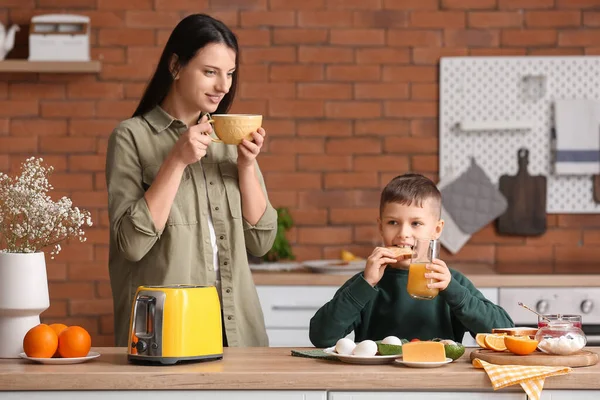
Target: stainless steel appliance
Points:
x,y
584,301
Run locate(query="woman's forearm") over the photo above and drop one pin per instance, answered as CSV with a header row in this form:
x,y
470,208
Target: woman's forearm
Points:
x,y
161,194
254,201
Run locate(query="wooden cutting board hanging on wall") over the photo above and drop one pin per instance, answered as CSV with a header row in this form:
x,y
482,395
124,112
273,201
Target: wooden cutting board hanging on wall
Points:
x,y
596,185
526,196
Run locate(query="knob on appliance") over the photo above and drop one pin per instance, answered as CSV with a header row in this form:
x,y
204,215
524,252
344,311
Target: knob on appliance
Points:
x,y
587,306
141,346
542,306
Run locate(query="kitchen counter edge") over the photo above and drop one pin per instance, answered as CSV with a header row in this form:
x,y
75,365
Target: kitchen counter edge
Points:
x,y
262,369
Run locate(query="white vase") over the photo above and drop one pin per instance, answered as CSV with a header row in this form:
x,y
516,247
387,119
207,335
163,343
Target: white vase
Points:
x,y
23,297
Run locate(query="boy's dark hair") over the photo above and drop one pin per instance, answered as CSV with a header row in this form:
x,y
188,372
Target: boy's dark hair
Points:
x,y
408,188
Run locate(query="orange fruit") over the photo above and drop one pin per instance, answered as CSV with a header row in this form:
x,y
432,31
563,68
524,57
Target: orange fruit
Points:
x,y
58,328
520,345
480,339
74,342
40,342
495,342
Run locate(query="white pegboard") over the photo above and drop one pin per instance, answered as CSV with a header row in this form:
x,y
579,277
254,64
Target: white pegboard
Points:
x,y
474,90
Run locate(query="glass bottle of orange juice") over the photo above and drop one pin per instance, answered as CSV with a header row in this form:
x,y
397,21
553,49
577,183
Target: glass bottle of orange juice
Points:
x,y
424,251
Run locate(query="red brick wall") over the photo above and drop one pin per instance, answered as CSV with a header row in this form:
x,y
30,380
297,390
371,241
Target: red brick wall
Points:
x,y
349,91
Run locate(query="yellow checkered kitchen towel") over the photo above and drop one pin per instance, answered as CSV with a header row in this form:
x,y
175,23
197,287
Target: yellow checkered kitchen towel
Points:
x,y
531,377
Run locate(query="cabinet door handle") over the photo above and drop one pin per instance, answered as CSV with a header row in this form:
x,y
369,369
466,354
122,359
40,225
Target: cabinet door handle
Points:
x,y
294,308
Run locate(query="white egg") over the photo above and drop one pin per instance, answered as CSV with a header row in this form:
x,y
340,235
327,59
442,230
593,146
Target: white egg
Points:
x,y
344,346
366,348
392,340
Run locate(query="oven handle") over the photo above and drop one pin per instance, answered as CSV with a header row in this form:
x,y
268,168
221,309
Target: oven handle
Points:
x,y
593,340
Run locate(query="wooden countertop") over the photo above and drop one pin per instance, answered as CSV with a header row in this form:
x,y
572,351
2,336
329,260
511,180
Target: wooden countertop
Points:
x,y
482,275
262,369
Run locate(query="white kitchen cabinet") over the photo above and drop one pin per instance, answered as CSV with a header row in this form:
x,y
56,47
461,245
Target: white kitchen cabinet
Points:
x,y
425,396
170,394
288,310
570,395
288,337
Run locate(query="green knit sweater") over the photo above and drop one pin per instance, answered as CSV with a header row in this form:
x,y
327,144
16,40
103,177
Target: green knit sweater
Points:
x,y
387,309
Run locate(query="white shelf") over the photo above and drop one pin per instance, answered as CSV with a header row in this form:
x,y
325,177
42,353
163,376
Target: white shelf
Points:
x,y
467,126
50,66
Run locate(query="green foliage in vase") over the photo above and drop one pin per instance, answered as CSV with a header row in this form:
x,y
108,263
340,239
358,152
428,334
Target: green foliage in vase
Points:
x,y
281,249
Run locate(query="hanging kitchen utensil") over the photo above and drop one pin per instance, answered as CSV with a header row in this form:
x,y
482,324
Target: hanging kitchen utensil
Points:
x,y
526,196
596,186
535,312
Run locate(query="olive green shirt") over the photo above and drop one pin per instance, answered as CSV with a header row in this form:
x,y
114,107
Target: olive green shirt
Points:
x,y
181,253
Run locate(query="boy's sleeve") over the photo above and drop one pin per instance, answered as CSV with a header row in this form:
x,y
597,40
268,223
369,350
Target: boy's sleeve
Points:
x,y
342,314
471,308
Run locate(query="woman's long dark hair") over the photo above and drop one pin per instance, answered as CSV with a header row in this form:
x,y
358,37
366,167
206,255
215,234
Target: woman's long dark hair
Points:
x,y
190,35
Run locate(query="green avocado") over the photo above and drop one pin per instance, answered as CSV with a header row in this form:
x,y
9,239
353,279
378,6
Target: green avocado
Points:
x,y
388,349
453,349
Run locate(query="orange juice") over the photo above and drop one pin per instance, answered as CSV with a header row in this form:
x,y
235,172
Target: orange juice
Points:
x,y
417,283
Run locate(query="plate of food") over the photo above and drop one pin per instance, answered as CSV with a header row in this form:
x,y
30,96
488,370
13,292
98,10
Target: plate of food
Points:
x,y
422,364
59,360
277,266
335,266
365,360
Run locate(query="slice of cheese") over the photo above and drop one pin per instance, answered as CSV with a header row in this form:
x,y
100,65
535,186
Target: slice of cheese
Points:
x,y
423,352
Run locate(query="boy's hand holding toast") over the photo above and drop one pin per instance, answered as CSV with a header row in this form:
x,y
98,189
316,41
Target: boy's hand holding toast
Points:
x,y
380,258
376,264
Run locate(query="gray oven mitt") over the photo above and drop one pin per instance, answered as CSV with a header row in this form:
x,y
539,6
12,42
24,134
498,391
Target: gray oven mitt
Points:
x,y
472,200
452,238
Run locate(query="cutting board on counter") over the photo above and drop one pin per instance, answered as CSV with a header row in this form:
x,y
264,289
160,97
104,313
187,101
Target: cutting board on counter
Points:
x,y
526,197
584,358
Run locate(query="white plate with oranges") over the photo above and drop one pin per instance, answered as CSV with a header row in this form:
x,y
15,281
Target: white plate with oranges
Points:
x,y
57,361
58,344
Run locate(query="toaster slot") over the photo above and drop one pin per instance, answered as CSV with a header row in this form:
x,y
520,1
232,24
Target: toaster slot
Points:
x,y
147,321
145,312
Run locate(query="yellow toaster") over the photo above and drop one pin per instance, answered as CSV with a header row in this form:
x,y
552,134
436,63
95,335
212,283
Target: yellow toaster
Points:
x,y
175,323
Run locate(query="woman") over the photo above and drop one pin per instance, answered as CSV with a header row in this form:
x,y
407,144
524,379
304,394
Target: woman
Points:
x,y
184,210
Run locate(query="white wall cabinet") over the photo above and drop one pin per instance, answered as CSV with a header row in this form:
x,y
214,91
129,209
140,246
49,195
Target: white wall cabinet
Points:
x,y
425,396
169,394
570,395
288,310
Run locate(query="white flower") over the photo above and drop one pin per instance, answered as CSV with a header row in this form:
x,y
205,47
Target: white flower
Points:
x,y
29,219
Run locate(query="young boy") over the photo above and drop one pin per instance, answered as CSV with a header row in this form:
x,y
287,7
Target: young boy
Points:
x,y
375,304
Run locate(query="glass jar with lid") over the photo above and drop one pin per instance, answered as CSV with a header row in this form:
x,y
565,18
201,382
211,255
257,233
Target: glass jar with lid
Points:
x,y
560,337
545,319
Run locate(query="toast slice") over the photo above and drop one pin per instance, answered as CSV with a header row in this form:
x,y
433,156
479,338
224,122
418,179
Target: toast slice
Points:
x,y
401,253
519,331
